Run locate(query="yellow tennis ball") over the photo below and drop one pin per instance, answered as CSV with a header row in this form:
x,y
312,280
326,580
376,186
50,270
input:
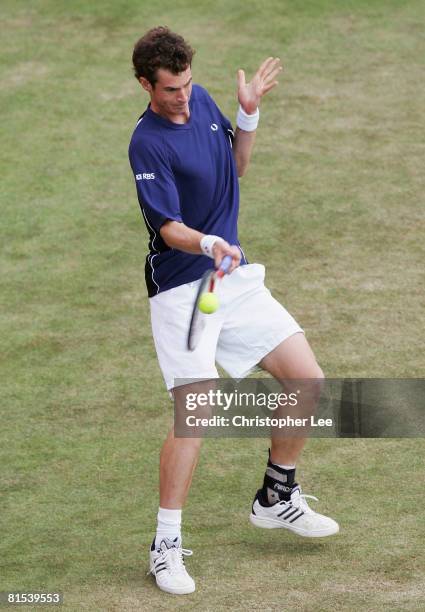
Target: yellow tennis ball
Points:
x,y
208,303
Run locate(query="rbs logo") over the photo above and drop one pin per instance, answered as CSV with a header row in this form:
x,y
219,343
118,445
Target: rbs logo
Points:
x,y
145,176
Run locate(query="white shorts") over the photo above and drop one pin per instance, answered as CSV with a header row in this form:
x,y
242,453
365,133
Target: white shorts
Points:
x,y
247,326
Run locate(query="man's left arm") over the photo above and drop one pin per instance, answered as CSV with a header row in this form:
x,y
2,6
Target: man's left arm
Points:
x,y
249,96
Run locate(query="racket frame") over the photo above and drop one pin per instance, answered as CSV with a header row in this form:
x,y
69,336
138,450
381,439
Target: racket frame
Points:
x,y
208,280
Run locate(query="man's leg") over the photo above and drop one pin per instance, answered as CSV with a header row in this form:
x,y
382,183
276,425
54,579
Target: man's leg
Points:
x,y
179,455
294,360
280,503
170,315
178,460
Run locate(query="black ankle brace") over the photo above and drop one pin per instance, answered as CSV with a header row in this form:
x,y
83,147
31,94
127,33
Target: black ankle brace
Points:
x,y
278,483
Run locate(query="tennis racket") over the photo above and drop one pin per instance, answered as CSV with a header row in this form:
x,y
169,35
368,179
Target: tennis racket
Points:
x,y
198,319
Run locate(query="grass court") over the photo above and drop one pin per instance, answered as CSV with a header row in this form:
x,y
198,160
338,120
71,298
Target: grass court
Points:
x,y
332,205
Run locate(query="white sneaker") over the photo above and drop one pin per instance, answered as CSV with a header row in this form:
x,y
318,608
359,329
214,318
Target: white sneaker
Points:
x,y
167,565
295,515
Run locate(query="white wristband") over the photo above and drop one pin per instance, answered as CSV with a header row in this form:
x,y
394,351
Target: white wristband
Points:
x,y
207,243
246,122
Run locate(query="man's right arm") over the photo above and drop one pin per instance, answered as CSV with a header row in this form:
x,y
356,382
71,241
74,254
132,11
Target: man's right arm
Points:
x,y
179,236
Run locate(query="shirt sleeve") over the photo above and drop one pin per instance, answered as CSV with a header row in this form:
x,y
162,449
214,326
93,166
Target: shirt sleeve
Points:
x,y
155,184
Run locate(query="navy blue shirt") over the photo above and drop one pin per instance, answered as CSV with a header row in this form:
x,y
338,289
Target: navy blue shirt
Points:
x,y
187,173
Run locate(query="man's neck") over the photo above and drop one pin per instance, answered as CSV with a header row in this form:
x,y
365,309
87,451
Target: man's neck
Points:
x,y
179,118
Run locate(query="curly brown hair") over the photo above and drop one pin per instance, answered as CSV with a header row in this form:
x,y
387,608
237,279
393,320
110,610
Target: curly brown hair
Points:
x,y
160,48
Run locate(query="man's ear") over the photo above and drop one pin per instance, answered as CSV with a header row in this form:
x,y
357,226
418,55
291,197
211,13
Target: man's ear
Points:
x,y
145,84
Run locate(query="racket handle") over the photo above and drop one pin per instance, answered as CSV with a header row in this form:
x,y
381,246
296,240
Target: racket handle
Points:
x,y
226,262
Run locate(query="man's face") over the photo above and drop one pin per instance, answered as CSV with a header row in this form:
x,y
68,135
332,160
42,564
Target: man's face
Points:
x,y
171,93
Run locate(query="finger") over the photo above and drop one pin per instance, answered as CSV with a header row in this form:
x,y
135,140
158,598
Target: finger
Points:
x,y
234,254
236,259
269,87
265,66
241,79
272,75
220,249
272,67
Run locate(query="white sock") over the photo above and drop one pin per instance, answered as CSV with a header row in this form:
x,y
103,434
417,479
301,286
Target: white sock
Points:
x,y
285,467
169,525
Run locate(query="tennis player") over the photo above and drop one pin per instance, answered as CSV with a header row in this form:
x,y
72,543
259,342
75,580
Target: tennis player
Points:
x,y
186,161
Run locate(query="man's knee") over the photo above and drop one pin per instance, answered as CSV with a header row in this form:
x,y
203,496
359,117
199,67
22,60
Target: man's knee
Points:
x,y
314,380
308,385
192,401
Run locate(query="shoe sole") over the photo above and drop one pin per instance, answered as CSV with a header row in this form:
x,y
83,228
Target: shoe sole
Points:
x,y
268,523
183,591
176,591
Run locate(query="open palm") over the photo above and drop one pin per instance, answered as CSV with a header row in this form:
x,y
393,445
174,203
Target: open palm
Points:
x,y
250,94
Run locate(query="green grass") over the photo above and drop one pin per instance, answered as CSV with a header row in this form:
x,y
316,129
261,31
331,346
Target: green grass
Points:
x,y
336,185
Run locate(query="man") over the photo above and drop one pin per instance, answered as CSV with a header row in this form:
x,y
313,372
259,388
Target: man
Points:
x,y
186,162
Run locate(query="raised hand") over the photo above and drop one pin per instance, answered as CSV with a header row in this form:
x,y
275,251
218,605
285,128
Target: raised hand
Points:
x,y
250,94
